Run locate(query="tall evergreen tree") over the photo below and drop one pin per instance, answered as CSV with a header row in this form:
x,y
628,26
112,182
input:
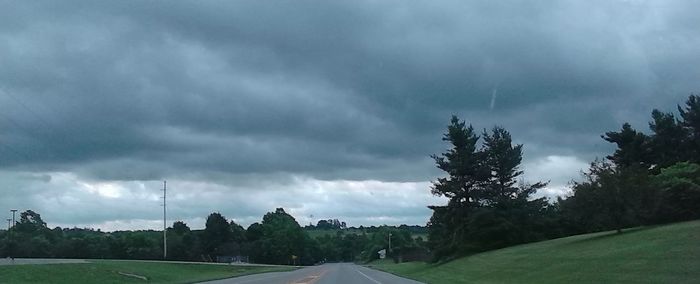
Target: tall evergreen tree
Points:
x,y
463,164
691,122
508,216
668,143
502,159
632,147
487,206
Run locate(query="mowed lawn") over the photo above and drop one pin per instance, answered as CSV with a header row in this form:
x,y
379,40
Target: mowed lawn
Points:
x,y
660,254
108,272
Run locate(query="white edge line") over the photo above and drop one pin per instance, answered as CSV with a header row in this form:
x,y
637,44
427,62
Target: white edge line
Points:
x,y
370,278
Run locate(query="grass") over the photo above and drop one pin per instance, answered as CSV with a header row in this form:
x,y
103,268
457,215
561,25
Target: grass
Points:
x,y
661,254
107,272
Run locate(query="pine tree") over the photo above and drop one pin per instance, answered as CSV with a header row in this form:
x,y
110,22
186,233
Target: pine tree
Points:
x,y
668,143
632,147
691,122
503,163
463,164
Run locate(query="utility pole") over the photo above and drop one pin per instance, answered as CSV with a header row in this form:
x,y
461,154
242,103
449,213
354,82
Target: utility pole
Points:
x,y
390,242
165,224
12,236
13,216
8,223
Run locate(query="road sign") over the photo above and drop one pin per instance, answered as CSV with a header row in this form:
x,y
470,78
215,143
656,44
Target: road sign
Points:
x,y
382,254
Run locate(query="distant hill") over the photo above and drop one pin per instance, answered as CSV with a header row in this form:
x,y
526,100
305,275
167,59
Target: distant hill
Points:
x,y
658,254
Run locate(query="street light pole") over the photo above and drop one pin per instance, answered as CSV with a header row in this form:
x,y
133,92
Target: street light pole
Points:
x,y
8,223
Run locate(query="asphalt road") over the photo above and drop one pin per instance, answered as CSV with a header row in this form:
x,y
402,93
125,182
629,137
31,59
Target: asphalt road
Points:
x,y
336,273
21,261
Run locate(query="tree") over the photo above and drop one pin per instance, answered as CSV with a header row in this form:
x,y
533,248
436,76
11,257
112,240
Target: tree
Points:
x,y
668,143
503,159
691,123
507,216
278,239
30,221
680,192
632,147
180,241
488,206
237,233
463,165
611,197
216,232
180,228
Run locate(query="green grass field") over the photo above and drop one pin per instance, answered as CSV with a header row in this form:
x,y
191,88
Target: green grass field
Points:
x,y
661,254
108,272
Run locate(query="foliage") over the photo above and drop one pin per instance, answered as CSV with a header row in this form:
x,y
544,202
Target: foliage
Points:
x,y
488,207
649,179
679,187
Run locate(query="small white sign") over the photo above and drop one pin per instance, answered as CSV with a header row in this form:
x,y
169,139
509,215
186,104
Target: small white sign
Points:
x,y
382,254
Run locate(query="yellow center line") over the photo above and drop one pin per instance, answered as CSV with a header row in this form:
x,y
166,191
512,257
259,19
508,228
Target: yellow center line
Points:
x,y
310,279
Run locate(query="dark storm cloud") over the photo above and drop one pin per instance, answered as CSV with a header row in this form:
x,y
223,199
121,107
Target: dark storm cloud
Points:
x,y
334,90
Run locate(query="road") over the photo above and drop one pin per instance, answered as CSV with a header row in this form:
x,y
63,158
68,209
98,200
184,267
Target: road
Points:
x,y
335,273
20,261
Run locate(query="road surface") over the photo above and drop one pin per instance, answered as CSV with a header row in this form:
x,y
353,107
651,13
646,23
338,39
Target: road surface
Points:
x,y
336,273
20,261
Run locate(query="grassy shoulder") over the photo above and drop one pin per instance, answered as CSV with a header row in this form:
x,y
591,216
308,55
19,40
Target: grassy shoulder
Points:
x,y
109,272
661,254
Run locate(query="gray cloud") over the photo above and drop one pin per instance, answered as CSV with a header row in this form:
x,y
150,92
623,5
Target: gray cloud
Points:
x,y
236,92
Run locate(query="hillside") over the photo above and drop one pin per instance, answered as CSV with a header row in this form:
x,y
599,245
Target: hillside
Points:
x,y
659,254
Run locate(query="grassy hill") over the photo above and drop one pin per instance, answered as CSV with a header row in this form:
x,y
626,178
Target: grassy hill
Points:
x,y
660,254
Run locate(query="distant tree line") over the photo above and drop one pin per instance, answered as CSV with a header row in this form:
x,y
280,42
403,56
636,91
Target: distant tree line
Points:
x,y
277,239
649,179
330,224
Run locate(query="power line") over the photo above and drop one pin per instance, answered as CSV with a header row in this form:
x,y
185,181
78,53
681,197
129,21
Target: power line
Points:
x,y
17,153
50,131
26,107
19,126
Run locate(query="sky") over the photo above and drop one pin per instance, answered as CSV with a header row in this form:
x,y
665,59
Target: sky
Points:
x,y
328,109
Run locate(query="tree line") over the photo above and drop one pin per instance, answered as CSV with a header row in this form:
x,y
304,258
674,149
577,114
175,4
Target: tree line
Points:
x,y
277,239
649,179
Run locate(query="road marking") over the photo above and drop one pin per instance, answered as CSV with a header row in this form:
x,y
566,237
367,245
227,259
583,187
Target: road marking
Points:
x,y
309,279
370,278
256,280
